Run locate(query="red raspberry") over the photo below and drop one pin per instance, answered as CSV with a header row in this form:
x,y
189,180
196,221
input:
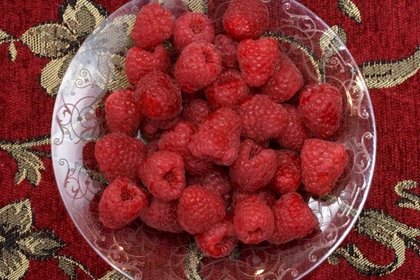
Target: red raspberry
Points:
x,y
154,24
152,129
198,65
196,112
322,164
192,27
295,133
320,105
122,113
218,138
199,209
288,172
253,220
228,90
216,180
254,167
293,219
163,174
119,155
161,215
121,202
159,96
178,141
228,48
246,19
218,241
139,62
285,82
262,118
266,195
258,59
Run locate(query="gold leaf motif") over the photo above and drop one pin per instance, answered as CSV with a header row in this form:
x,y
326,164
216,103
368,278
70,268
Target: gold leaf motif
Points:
x,y
53,73
7,38
385,74
82,17
113,275
28,159
333,40
198,6
17,216
13,264
386,230
69,266
350,9
192,262
408,199
40,245
50,40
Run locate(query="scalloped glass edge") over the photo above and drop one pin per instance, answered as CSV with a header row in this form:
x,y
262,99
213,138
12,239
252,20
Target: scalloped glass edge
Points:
x,y
94,67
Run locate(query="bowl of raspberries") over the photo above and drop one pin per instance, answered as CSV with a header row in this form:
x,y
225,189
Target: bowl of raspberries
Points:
x,y
228,139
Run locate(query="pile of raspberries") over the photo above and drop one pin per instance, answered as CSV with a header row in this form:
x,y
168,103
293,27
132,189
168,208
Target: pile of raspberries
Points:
x,y
234,136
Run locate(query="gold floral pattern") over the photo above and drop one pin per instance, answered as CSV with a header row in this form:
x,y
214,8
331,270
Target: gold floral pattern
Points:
x,y
350,9
386,230
27,157
20,242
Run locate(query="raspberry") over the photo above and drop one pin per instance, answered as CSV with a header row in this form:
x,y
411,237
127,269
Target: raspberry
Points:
x,y
196,112
228,48
158,96
154,24
253,220
198,65
254,167
152,129
285,82
119,155
228,90
139,62
178,141
295,133
122,113
262,118
322,164
199,209
258,59
161,215
246,19
216,180
192,27
288,173
121,202
218,138
218,241
266,195
163,174
293,219
320,105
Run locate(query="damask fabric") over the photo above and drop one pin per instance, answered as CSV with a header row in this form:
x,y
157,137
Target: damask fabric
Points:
x,y
37,41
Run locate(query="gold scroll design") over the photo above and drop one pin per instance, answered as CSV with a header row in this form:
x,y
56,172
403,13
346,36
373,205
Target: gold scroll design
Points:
x,y
388,231
350,9
385,74
28,158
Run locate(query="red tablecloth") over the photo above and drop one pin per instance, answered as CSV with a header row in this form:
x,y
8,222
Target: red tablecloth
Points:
x,y
384,38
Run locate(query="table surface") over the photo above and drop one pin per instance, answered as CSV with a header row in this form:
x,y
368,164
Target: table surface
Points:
x,y
382,35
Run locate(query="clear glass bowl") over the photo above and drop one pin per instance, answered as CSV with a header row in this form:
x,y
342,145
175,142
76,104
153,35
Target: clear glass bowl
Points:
x,y
139,252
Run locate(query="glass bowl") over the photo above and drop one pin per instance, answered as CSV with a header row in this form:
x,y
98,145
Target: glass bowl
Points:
x,y
139,252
